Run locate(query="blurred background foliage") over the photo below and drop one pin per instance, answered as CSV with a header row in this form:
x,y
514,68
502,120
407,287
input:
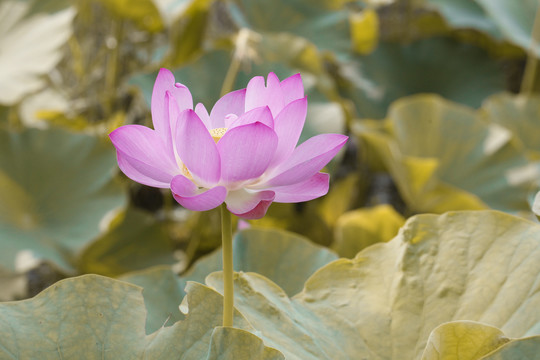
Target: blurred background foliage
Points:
x,y
431,92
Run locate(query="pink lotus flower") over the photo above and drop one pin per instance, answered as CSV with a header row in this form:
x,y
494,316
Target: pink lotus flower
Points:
x,y
243,153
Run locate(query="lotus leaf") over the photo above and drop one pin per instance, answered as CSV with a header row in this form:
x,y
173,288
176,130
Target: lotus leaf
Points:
x,y
358,229
463,340
103,318
322,22
383,304
444,157
461,267
514,19
518,113
137,242
459,72
466,14
472,340
286,258
56,187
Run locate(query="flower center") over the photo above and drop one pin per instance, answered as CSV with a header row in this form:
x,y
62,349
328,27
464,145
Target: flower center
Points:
x,y
216,134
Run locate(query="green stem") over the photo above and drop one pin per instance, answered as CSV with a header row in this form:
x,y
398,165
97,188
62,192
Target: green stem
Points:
x,y
111,73
228,290
529,77
230,77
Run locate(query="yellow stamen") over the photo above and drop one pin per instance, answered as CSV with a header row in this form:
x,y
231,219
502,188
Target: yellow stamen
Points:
x,y
186,172
218,133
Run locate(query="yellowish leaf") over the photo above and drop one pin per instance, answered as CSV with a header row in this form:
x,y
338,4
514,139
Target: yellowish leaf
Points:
x,y
463,340
364,31
358,229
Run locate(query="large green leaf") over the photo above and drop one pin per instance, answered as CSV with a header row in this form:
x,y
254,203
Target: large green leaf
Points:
x,y
55,188
466,14
479,266
463,20
459,72
501,19
135,243
514,19
481,159
286,258
104,319
322,22
415,178
444,157
14,286
163,292
31,46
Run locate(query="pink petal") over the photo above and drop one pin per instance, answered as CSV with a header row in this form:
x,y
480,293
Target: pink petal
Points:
x,y
241,201
307,159
165,83
229,120
261,114
232,103
288,127
197,149
258,211
292,88
257,95
189,196
174,113
312,188
143,156
246,152
143,173
202,113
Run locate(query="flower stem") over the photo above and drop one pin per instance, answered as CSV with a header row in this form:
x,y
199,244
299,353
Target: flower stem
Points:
x,y
529,77
228,290
230,77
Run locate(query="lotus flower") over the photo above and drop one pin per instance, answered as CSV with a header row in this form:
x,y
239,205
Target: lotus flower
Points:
x,y
242,153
